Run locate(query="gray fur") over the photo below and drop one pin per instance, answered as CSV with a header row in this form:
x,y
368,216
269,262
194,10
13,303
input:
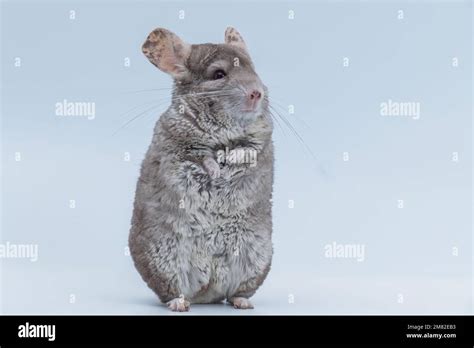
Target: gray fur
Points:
x,y
202,231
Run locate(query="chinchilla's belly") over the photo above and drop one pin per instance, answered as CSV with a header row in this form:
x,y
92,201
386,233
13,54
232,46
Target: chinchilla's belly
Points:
x,y
225,234
222,241
226,270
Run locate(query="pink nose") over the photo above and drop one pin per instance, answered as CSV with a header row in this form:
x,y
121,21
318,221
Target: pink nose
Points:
x,y
255,95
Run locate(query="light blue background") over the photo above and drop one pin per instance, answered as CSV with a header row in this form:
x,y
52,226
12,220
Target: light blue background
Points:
x,y
408,251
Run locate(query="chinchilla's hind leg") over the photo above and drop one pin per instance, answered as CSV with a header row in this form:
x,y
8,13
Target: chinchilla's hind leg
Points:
x,y
171,268
179,304
247,288
241,303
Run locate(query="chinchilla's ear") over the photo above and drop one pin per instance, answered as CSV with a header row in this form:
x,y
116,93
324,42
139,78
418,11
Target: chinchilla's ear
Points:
x,y
167,51
233,37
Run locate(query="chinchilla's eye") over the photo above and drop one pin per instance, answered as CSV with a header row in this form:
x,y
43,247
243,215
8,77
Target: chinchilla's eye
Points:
x,y
219,74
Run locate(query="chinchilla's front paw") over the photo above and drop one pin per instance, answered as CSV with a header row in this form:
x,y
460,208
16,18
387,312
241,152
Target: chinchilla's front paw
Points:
x,y
212,167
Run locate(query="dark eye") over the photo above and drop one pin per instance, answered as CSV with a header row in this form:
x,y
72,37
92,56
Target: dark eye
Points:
x,y
219,74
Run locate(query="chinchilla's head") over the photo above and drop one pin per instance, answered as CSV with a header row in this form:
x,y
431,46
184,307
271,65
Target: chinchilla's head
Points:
x,y
215,79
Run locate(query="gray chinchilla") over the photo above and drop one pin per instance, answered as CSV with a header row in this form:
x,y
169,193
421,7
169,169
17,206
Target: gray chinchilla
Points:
x,y
202,225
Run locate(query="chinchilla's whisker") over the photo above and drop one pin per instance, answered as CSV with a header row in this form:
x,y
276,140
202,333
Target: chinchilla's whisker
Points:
x,y
190,94
143,113
164,99
287,123
204,94
277,122
149,90
122,115
284,110
137,117
275,119
159,102
298,136
199,96
226,90
239,87
267,99
214,96
276,102
280,104
293,130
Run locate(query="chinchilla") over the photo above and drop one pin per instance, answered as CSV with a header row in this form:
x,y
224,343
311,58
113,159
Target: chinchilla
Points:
x,y
202,220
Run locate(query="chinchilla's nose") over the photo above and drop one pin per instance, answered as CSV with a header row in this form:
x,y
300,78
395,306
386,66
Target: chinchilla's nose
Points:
x,y
253,98
255,95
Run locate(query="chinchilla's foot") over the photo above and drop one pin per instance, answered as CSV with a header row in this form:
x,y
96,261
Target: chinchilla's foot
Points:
x,y
179,304
241,303
212,167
